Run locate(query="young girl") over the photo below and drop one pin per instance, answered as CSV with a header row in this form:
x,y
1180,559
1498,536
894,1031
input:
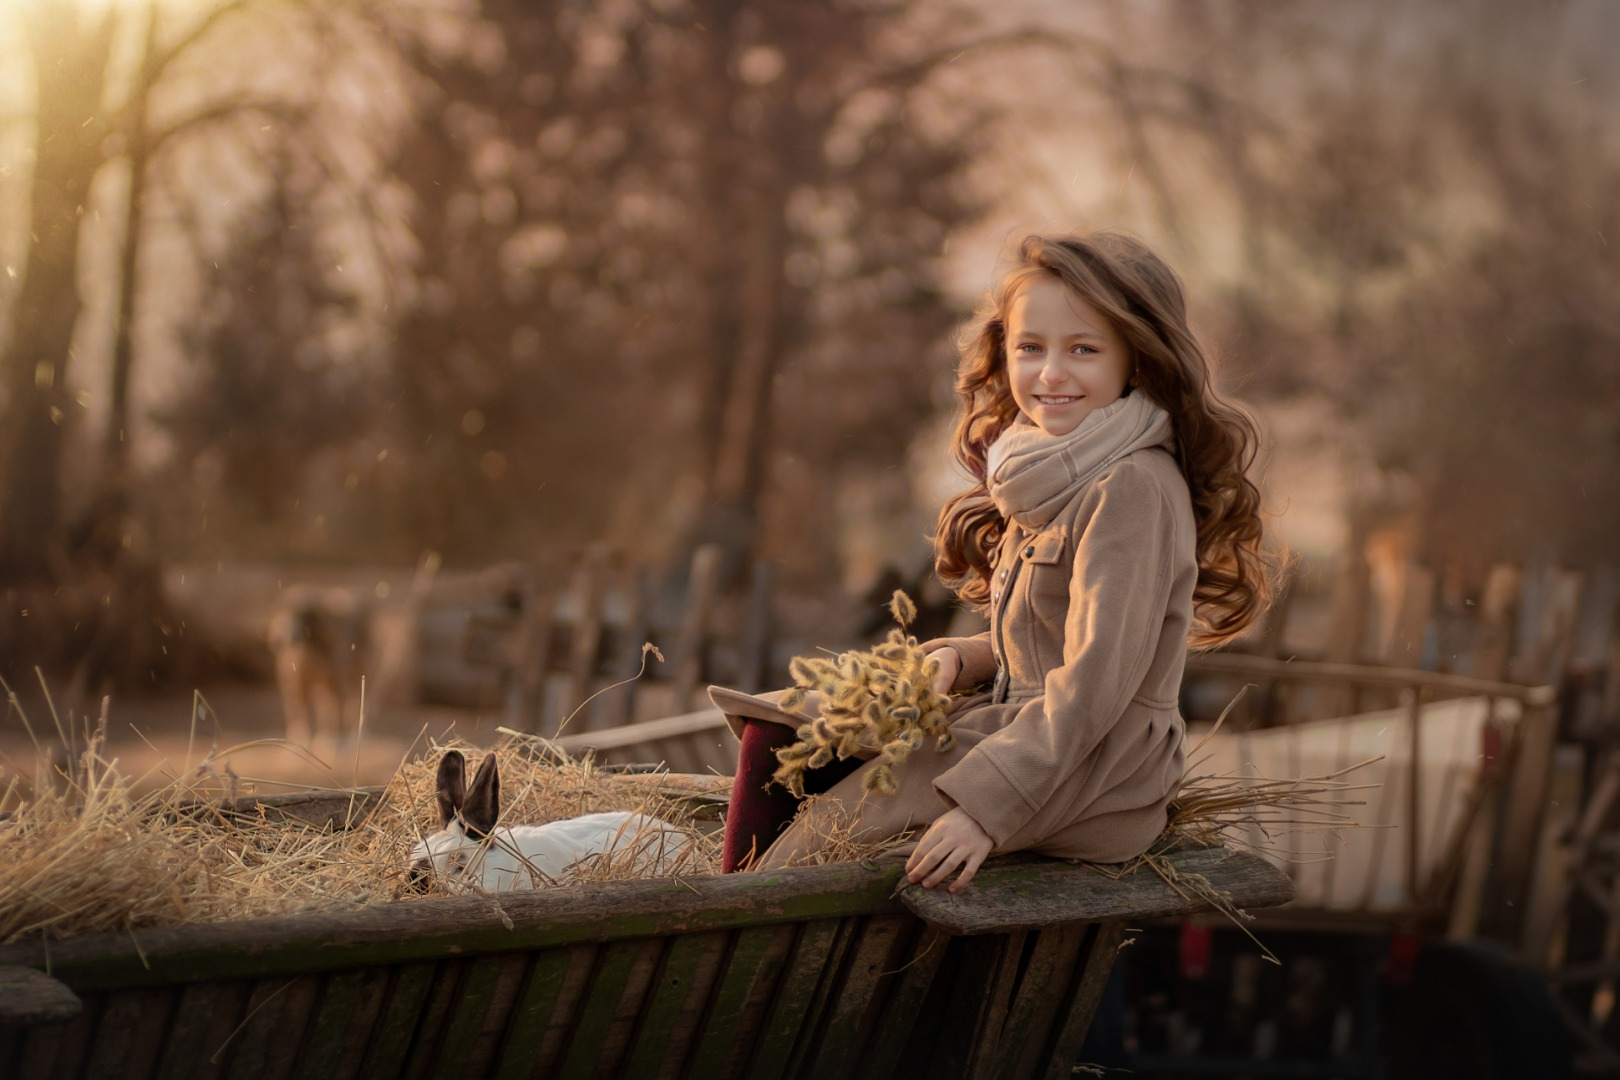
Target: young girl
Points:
x,y
1112,525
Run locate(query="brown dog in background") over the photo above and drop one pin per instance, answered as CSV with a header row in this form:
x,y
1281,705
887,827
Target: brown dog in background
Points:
x,y
320,640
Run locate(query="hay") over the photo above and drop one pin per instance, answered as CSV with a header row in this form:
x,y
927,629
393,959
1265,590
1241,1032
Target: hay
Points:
x,y
94,857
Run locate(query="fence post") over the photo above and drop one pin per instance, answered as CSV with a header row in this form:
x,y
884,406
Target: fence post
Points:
x,y
700,595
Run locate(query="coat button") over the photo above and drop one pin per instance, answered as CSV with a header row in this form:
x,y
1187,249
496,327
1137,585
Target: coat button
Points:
x,y
1029,552
1004,575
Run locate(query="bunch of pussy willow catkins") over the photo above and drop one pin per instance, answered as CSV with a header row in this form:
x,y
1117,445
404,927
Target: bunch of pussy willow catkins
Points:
x,y
879,703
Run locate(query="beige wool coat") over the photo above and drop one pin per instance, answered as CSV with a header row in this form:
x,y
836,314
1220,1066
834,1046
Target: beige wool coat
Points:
x,y
1077,748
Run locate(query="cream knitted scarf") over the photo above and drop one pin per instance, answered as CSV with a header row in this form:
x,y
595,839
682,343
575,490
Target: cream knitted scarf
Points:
x,y
1032,475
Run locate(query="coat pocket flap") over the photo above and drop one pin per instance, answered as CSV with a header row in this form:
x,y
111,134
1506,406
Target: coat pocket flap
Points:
x,y
1047,547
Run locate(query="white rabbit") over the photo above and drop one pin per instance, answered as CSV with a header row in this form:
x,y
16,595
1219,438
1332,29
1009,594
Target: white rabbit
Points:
x,y
471,852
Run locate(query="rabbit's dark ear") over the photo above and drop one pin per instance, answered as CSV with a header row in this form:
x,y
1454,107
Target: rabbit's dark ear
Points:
x,y
452,786
483,804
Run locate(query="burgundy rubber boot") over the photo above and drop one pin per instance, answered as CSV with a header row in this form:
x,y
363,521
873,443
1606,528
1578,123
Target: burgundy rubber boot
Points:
x,y
760,808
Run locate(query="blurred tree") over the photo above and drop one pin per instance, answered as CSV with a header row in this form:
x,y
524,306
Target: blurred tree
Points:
x,y
69,51
652,213
77,133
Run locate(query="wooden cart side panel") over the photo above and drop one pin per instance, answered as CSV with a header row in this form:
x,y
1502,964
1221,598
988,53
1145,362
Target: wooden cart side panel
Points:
x,y
913,977
340,1026
810,1027
543,983
1080,1002
277,1014
623,972
987,1046
544,1021
130,1034
45,1043
871,958
204,1018
391,1040
480,1015
672,1026
959,1002
814,949
1025,1035
448,985
749,975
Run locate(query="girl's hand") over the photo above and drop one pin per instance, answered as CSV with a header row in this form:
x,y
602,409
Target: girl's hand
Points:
x,y
951,841
950,666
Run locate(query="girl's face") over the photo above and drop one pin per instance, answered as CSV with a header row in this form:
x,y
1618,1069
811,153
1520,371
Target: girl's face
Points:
x,y
1064,358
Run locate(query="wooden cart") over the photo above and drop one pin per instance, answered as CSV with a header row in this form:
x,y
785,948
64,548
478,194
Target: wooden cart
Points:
x,y
814,972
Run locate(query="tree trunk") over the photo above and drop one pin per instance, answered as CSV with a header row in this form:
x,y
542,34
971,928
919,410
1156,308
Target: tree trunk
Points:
x,y
115,457
70,57
746,200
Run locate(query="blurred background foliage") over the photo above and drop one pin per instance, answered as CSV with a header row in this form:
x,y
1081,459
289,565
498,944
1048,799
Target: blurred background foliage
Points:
x,y
335,283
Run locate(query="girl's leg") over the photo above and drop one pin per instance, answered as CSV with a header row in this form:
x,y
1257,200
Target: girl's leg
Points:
x,y
760,809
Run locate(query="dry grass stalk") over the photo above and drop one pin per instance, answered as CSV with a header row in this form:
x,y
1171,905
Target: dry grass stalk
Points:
x,y
878,703
835,839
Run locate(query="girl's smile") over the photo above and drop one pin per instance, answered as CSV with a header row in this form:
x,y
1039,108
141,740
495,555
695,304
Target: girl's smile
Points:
x,y
1064,358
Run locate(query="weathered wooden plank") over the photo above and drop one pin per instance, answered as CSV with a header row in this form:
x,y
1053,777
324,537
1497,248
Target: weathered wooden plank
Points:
x,y
886,1047
30,997
873,956
462,926
1024,895
636,581
1080,1003
532,661
449,981
540,1028
11,1049
591,586
756,959
37,1054
627,1014
615,972
1035,1002
1522,812
130,1035
249,1044
646,732
817,947
349,1003
78,1038
44,1043
333,809
832,973
702,586
998,997
674,1004
964,1004
66,1058
391,1033
297,1015
478,1016
203,1020
754,650
1262,667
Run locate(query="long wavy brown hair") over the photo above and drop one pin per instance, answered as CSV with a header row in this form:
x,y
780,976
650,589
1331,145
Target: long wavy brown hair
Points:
x,y
1216,441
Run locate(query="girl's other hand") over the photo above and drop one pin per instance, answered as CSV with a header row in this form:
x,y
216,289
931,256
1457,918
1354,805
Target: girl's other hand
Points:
x,y
950,666
951,841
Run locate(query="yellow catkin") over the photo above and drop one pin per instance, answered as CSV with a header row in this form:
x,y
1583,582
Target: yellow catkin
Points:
x,y
877,703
